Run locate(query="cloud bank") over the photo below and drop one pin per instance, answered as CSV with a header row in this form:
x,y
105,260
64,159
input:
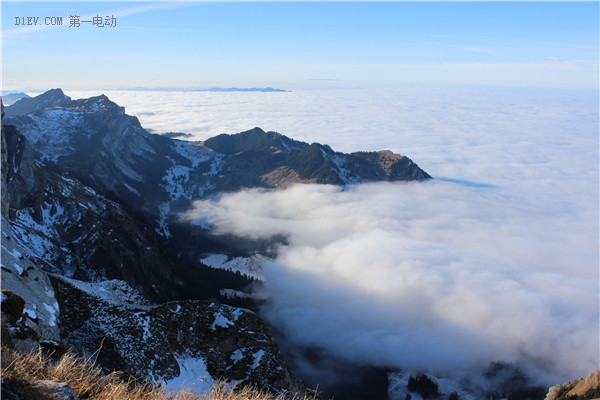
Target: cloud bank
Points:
x,y
496,261
430,276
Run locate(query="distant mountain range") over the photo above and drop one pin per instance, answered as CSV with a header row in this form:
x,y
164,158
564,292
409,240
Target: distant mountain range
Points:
x,y
10,97
211,89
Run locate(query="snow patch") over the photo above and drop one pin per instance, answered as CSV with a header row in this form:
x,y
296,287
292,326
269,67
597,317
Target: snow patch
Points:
x,y
52,310
114,292
164,210
193,376
249,266
31,313
18,268
175,178
215,166
221,321
51,131
145,324
344,173
237,355
195,154
257,357
131,189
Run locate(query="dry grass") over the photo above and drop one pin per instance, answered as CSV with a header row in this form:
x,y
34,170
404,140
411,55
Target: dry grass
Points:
x,y
21,370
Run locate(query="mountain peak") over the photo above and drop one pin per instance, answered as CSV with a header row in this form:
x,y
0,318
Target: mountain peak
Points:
x,y
49,99
96,103
254,139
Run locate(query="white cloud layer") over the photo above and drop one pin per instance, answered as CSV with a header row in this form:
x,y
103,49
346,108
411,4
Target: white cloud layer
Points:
x,y
426,276
439,275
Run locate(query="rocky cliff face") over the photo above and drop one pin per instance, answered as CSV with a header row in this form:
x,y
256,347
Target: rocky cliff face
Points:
x,y
170,342
29,307
579,389
70,229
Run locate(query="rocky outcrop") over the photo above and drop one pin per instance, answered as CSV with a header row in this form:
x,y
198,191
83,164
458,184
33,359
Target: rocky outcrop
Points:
x,y
55,229
29,308
70,229
279,160
168,342
579,389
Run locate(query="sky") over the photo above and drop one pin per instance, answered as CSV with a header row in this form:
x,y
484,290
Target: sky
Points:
x,y
200,44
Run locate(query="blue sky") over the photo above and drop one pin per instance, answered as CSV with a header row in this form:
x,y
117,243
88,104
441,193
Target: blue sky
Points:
x,y
198,44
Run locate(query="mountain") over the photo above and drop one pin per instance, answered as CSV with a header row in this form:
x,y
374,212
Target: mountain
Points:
x,y
95,258
172,341
96,143
74,231
9,97
69,255
51,98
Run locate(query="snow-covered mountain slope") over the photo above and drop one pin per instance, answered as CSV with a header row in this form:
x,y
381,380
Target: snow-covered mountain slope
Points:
x,y
156,178
250,266
69,259
173,341
29,307
70,229
94,141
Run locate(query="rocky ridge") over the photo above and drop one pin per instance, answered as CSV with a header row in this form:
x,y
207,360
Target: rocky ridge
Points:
x,y
587,388
94,141
57,294
154,178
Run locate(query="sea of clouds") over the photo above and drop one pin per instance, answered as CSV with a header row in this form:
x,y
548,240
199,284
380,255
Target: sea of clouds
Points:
x,y
495,259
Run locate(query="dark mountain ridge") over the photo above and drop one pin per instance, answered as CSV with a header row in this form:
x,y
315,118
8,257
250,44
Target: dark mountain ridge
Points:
x,y
95,142
78,270
91,201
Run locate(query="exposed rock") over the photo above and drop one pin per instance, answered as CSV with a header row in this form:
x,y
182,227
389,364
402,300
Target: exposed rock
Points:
x,y
29,308
283,176
161,341
70,229
55,390
578,389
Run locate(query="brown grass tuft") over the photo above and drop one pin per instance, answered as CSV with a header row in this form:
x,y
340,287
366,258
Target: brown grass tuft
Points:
x,y
21,370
